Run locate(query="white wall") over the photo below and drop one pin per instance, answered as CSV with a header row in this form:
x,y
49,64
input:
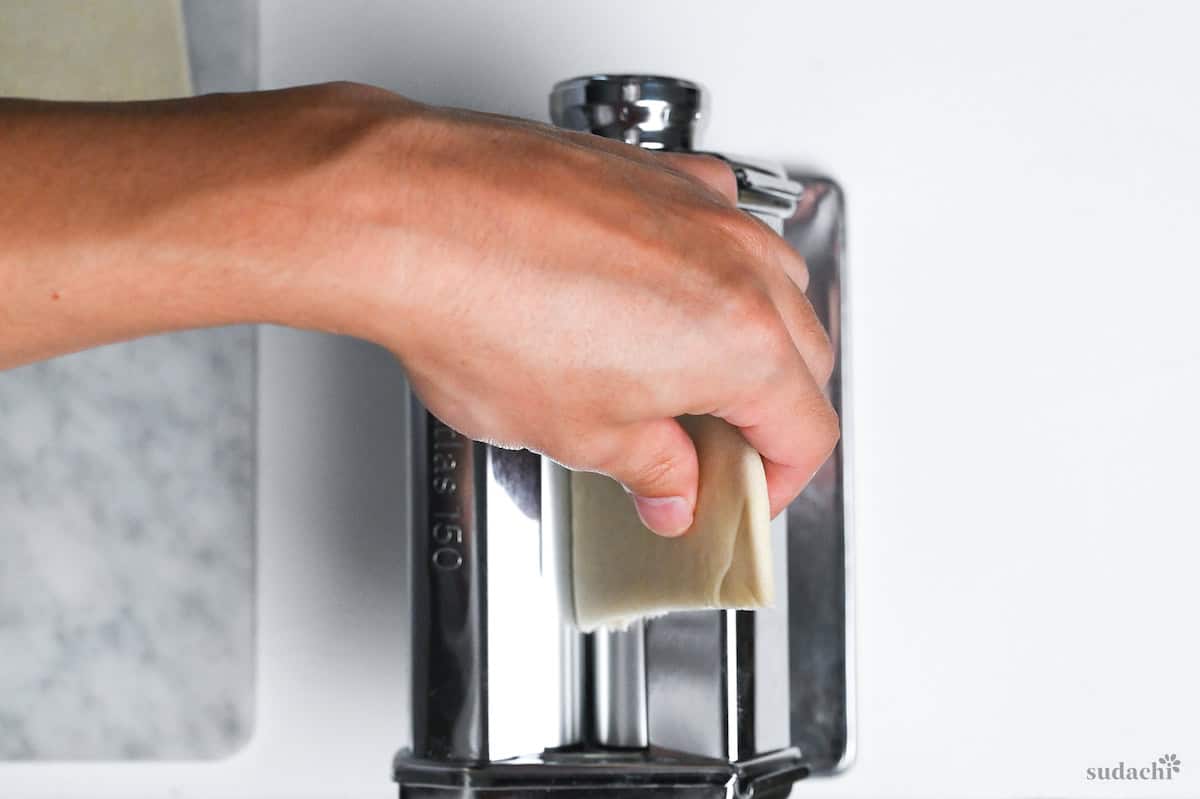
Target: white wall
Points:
x,y
1022,185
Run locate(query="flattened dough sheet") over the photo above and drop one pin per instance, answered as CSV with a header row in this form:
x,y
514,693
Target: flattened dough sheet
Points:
x,y
623,572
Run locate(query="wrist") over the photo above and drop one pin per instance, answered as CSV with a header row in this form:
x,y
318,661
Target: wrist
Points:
x,y
326,235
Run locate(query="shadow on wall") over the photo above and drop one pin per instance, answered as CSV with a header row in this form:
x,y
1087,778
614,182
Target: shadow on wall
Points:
x,y
347,472
222,40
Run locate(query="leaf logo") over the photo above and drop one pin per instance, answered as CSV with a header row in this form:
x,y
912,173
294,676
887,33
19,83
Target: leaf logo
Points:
x,y
1170,762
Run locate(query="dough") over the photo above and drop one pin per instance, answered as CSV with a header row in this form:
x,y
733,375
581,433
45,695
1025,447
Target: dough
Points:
x,y
93,50
622,571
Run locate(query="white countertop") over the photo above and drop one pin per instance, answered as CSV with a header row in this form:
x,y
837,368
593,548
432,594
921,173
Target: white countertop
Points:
x,y
1024,353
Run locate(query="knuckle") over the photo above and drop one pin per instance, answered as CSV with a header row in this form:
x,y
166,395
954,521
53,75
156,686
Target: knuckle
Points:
x,y
753,240
654,470
742,298
824,361
761,329
715,163
646,459
824,422
713,172
799,272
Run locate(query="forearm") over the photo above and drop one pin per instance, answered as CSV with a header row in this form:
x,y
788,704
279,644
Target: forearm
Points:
x,y
123,220
544,289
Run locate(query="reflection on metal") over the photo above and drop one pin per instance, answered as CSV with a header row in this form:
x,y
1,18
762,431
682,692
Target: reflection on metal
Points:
x,y
819,564
619,669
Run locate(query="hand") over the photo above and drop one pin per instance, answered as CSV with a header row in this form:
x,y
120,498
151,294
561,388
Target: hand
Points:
x,y
573,295
544,289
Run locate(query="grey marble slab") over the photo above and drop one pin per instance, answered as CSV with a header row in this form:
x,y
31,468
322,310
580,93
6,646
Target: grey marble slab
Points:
x,y
127,523
127,550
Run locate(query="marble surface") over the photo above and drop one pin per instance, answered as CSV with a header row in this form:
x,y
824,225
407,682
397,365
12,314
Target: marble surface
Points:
x,y
127,508
127,550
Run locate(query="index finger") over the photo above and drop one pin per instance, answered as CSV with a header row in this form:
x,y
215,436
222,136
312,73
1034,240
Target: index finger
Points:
x,y
711,171
794,428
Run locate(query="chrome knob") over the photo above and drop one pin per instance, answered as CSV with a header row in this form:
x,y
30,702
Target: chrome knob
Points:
x,y
651,111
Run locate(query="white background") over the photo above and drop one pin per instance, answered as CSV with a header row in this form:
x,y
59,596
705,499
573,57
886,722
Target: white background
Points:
x,y
1025,353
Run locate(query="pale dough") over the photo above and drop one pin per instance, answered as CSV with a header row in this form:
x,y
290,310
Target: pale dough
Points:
x,y
93,50
622,571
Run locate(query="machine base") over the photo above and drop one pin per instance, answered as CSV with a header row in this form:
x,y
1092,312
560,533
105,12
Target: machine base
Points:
x,y
657,773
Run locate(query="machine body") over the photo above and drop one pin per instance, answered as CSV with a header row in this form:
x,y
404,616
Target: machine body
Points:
x,y
509,700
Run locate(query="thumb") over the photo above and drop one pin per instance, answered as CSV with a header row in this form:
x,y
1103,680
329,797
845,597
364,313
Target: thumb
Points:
x,y
657,464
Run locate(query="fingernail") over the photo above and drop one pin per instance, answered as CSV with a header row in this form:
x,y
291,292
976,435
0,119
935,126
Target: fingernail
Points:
x,y
667,516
